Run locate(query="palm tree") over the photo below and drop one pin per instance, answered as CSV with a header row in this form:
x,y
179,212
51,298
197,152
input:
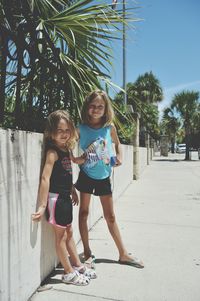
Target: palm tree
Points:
x,y
195,138
143,95
56,51
124,120
187,106
170,125
137,93
148,90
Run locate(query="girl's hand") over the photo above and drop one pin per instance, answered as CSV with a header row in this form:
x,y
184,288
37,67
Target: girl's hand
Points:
x,y
77,160
118,161
75,200
36,217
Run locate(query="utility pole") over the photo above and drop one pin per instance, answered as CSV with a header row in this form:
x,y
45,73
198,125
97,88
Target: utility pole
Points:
x,y
124,54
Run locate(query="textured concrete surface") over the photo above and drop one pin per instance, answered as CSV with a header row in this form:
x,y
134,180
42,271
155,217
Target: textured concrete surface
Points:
x,y
159,219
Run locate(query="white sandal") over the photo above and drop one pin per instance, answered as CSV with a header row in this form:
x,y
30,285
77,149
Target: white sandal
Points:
x,y
135,262
90,262
75,278
84,270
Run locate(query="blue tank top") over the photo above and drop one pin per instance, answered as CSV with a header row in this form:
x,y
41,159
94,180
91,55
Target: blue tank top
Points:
x,y
97,145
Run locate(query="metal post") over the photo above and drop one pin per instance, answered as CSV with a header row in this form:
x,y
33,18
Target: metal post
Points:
x,y
148,148
148,139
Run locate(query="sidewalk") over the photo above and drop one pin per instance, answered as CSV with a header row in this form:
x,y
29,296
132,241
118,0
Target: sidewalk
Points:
x,y
159,219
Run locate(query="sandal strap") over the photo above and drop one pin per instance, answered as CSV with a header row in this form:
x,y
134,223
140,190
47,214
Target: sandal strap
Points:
x,y
70,276
90,273
90,262
81,280
75,278
80,269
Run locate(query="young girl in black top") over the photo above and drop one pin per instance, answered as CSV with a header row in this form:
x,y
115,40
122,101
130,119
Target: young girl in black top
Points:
x,y
57,195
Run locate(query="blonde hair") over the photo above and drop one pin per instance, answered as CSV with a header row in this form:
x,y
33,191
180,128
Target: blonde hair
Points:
x,y
52,125
108,114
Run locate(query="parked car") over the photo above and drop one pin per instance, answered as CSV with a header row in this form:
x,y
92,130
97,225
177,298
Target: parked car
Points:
x,y
181,148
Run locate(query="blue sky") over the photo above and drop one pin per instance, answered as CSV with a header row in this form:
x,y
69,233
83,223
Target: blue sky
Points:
x,y
167,42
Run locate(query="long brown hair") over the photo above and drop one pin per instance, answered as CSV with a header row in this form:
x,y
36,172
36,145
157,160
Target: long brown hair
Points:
x,y
52,125
108,114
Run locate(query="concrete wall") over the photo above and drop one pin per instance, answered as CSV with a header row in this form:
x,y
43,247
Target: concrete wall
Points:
x,y
143,159
26,248
19,171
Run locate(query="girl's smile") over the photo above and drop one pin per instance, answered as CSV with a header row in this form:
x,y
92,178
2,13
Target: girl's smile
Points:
x,y
62,133
96,108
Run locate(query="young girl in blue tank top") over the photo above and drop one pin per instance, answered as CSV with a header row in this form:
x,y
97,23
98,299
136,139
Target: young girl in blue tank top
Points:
x,y
97,135
57,195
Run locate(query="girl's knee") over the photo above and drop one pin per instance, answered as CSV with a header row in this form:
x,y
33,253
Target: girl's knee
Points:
x,y
69,232
61,239
83,214
110,219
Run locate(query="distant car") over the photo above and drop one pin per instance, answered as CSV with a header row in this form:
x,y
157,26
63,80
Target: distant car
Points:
x,y
181,148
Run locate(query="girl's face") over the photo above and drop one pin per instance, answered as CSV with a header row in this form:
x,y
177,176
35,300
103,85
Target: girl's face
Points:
x,y
62,133
96,108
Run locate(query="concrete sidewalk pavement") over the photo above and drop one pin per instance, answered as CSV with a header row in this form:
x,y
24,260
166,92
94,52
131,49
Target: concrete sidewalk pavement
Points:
x,y
159,219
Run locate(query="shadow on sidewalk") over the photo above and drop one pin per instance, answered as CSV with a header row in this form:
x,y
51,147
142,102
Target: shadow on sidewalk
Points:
x,y
104,260
128,263
175,160
53,277
168,160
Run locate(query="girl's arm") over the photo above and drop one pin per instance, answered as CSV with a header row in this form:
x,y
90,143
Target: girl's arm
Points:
x,y
51,157
118,147
77,160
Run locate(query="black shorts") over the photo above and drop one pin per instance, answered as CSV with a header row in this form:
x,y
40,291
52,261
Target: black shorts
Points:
x,y
59,210
93,186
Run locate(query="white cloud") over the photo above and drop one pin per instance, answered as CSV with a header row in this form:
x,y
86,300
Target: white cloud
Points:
x,y
182,87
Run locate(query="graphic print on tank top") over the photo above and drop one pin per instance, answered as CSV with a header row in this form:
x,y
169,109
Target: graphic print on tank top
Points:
x,y
66,164
96,151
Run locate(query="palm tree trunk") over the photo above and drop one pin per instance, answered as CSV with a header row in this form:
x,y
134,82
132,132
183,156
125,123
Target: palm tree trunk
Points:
x,y
173,145
187,137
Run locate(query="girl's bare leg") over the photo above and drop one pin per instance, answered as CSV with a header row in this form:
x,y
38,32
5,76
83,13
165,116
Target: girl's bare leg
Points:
x,y
60,241
83,227
71,248
108,210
